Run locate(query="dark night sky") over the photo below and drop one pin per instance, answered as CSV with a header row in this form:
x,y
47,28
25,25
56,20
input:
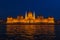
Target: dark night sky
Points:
x,y
19,7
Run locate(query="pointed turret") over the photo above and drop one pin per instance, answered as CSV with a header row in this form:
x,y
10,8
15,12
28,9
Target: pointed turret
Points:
x,y
26,15
34,15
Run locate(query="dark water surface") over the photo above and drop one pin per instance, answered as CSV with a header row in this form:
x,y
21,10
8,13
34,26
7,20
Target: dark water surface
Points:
x,y
30,32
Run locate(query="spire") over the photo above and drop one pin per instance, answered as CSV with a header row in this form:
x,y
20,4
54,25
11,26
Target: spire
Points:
x,y
34,14
29,9
26,15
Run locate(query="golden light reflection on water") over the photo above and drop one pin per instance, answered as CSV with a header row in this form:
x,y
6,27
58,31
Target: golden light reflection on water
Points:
x,y
30,31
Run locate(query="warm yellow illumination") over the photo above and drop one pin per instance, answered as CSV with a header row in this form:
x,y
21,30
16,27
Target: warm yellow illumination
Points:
x,y
30,18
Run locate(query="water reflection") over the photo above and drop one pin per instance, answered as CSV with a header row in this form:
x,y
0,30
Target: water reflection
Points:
x,y
31,32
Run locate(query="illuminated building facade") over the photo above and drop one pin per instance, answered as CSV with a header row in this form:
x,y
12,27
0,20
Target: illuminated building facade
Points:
x,y
30,18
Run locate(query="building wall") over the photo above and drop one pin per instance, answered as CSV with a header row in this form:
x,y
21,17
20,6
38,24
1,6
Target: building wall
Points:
x,y
48,20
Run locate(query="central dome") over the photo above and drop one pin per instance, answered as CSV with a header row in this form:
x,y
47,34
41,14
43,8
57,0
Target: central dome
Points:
x,y
30,14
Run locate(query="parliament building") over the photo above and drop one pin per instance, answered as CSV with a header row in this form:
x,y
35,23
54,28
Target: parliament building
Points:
x,y
30,18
